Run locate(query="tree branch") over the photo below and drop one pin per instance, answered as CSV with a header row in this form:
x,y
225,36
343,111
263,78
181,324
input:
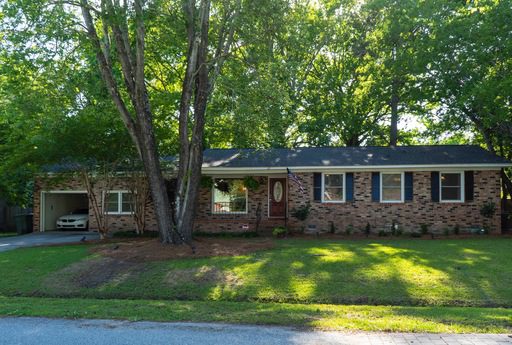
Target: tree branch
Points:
x,y
107,75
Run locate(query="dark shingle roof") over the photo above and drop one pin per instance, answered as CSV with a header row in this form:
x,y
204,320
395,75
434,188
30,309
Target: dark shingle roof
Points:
x,y
351,156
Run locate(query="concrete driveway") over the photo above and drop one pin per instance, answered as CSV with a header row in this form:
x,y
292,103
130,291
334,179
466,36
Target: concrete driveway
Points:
x,y
42,331
45,238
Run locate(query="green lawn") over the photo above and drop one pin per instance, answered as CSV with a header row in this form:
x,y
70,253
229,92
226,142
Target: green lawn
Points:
x,y
321,316
303,277
8,234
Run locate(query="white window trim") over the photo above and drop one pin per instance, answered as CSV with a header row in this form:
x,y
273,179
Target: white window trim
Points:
x,y
119,202
462,185
344,188
402,186
213,199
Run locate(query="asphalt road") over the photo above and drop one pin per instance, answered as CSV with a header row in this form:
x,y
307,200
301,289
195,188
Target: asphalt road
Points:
x,y
44,238
41,331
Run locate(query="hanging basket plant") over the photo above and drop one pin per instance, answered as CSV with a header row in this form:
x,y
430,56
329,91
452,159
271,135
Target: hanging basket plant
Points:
x,y
223,185
251,183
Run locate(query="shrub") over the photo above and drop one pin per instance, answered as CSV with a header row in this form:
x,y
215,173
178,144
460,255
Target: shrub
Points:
x,y
446,231
424,229
399,231
279,232
415,234
488,209
367,229
301,212
332,228
382,233
349,230
456,229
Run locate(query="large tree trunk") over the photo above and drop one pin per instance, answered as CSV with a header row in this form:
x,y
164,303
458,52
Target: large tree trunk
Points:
x,y
157,187
196,83
139,125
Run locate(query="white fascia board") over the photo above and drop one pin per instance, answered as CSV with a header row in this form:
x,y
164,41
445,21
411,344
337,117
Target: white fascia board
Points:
x,y
280,170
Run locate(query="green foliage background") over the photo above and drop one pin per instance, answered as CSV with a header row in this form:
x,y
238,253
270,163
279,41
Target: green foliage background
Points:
x,y
299,73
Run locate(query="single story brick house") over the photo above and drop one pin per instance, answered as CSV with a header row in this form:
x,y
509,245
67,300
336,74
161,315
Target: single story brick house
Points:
x,y
441,186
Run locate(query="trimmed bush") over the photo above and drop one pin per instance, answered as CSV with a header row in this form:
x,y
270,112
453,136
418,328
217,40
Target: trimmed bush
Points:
x,y
279,232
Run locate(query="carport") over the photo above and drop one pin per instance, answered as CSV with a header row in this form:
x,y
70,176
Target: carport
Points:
x,y
59,203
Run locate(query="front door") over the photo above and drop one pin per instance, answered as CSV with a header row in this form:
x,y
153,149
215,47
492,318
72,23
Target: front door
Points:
x,y
277,197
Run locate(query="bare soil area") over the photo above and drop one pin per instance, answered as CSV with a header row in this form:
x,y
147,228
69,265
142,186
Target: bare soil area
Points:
x,y
203,275
146,250
91,273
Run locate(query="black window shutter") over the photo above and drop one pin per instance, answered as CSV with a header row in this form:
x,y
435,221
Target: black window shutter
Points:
x,y
408,185
375,186
469,185
317,186
349,183
434,185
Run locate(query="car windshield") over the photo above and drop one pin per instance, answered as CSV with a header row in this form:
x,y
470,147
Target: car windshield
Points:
x,y
81,211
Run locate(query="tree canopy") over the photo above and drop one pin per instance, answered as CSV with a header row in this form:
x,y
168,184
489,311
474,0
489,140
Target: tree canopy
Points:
x,y
297,73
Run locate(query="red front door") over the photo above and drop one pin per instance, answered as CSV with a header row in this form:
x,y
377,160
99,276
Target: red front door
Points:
x,y
277,197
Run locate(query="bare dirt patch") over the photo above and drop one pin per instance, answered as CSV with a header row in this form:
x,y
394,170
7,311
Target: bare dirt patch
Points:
x,y
152,250
91,273
203,275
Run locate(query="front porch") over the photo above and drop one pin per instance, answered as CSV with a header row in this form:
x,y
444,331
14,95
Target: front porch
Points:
x,y
243,204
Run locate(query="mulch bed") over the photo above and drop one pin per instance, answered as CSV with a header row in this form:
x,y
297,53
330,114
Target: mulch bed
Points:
x,y
144,250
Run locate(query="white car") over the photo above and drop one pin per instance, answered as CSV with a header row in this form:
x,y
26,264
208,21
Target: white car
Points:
x,y
78,219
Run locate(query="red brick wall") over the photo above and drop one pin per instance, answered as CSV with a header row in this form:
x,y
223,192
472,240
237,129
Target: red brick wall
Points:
x,y
116,222
408,215
209,222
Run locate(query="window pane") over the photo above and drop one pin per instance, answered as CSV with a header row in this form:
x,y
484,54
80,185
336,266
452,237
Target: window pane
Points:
x,y
450,193
127,202
111,202
333,194
234,200
392,180
333,180
450,180
391,194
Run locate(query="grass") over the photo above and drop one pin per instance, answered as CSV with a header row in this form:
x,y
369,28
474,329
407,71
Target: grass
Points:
x,y
8,234
388,284
319,316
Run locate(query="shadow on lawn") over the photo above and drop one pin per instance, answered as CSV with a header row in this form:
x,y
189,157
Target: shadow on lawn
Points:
x,y
400,272
383,272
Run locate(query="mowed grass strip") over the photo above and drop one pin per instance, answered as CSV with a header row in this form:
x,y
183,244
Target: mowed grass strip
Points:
x,y
466,272
318,316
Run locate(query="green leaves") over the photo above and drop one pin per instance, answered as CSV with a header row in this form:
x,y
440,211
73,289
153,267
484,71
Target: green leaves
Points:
x,y
300,73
